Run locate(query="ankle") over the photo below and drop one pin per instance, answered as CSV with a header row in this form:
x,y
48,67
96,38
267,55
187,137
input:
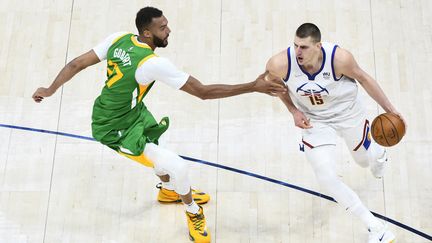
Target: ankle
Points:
x,y
168,185
192,208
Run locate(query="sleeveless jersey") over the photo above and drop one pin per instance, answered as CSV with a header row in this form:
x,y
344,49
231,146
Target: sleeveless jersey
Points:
x,y
119,108
321,96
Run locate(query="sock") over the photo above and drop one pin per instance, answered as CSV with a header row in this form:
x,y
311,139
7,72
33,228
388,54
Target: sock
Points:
x,y
383,157
192,207
365,216
168,185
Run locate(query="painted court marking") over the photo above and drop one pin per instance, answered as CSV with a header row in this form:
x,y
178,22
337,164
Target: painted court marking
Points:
x,y
305,190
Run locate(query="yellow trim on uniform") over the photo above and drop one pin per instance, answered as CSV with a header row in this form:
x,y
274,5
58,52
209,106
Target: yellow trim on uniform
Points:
x,y
142,159
135,41
146,58
118,38
142,90
109,71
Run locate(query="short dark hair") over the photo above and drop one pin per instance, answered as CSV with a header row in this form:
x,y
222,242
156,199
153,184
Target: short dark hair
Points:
x,y
308,29
144,17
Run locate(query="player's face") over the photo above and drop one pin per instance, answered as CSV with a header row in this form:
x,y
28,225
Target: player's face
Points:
x,y
160,31
306,50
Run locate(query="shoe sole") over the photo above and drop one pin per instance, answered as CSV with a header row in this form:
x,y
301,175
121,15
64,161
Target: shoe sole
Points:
x,y
179,201
192,239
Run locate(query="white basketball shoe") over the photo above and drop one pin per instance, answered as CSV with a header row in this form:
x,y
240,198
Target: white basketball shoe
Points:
x,y
381,235
378,167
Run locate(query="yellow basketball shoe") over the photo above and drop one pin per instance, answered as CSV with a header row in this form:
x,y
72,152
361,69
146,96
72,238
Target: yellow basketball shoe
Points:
x,y
169,196
197,227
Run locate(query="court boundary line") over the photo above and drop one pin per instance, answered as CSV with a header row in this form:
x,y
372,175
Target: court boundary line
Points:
x,y
298,188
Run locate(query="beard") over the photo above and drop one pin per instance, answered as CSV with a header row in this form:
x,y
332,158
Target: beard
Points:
x,y
158,42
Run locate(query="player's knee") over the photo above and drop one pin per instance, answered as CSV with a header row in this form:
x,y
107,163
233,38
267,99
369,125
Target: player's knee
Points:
x,y
363,163
362,158
181,169
181,177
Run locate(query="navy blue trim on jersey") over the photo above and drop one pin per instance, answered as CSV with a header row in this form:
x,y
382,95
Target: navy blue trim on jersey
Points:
x,y
332,64
312,77
289,65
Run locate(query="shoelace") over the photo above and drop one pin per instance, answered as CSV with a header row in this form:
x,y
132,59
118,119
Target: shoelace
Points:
x,y
197,221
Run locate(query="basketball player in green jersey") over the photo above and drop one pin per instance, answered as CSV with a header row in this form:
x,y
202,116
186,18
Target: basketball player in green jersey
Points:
x,y
121,120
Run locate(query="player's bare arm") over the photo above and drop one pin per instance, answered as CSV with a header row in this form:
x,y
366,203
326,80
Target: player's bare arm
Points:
x,y
345,64
277,67
214,91
73,67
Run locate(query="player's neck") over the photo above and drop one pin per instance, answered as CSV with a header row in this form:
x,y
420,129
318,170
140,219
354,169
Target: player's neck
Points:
x,y
146,41
315,64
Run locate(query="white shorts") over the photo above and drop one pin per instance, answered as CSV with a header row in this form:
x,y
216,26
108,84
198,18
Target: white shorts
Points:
x,y
355,130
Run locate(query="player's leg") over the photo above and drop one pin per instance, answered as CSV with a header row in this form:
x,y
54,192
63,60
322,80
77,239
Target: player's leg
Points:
x,y
363,149
167,166
322,160
368,153
171,167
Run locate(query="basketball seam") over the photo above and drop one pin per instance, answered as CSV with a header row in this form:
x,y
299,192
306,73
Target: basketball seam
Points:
x,y
397,132
382,130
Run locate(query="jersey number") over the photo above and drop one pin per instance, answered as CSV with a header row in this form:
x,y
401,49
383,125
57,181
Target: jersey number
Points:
x,y
316,99
113,68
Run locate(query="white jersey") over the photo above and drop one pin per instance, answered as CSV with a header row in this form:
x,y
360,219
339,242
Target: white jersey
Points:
x,y
321,96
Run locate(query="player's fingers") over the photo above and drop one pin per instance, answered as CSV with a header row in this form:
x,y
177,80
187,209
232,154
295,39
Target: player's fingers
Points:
x,y
278,89
403,120
277,84
38,99
303,126
307,124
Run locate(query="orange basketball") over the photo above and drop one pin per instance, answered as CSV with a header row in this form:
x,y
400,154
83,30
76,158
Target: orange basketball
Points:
x,y
387,129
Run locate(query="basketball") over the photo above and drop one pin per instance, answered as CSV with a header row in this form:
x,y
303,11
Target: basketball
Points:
x,y
387,129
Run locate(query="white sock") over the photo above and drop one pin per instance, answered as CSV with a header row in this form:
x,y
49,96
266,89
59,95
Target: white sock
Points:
x,y
192,207
365,216
382,157
168,185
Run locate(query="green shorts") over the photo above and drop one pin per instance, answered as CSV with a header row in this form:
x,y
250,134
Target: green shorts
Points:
x,y
133,138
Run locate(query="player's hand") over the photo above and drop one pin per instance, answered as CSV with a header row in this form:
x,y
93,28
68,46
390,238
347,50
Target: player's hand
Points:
x,y
401,117
41,93
272,87
300,120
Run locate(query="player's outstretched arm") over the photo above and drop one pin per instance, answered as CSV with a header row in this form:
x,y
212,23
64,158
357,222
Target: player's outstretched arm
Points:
x,y
73,67
345,64
214,91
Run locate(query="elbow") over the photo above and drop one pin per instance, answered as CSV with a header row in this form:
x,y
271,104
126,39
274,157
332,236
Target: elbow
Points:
x,y
76,65
203,96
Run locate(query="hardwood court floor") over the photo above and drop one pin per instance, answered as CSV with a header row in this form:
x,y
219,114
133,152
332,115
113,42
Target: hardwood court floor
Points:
x,y
56,188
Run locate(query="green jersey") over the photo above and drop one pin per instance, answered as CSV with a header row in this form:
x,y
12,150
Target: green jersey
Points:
x,y
120,118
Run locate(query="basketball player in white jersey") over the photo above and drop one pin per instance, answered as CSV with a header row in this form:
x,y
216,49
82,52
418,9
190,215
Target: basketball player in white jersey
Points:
x,y
323,99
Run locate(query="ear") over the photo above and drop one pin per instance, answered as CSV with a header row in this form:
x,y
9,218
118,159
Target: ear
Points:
x,y
147,34
319,45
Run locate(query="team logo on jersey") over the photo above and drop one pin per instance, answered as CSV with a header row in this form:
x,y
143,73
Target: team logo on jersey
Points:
x,y
314,91
310,88
326,75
